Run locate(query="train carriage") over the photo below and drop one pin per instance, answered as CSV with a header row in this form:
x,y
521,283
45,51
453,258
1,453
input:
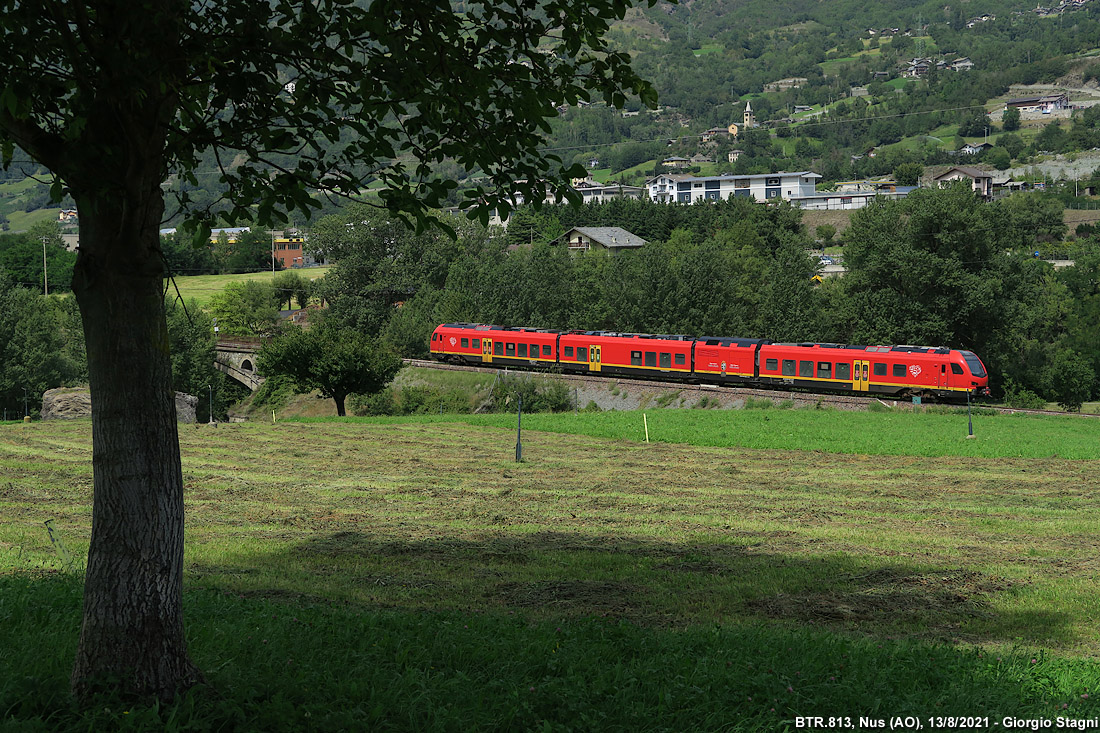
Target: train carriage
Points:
x,y
890,370
727,360
626,354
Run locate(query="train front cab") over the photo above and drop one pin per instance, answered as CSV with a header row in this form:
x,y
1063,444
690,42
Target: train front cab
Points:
x,y
471,343
886,370
458,342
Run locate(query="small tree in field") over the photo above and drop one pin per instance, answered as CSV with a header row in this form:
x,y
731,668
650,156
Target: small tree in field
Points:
x,y
290,286
335,361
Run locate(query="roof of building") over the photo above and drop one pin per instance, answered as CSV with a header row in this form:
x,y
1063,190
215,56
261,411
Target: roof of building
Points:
x,y
1036,100
610,237
972,172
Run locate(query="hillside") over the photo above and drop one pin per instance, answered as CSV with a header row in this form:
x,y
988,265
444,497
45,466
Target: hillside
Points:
x,y
706,58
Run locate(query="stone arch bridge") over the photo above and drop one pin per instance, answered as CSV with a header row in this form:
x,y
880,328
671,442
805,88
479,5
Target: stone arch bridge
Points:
x,y
237,358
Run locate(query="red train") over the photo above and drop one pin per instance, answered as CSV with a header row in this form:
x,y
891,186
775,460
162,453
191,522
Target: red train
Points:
x,y
898,371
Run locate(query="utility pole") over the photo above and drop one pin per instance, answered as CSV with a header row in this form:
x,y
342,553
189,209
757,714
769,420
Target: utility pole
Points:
x,y
45,277
273,253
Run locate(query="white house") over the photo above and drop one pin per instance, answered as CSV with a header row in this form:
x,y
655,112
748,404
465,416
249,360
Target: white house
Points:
x,y
672,187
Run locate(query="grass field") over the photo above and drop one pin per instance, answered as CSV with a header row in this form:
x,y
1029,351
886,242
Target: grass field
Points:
x,y
204,287
745,568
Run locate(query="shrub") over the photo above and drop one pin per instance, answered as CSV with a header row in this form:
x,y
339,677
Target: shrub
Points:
x,y
411,400
1021,398
537,395
274,392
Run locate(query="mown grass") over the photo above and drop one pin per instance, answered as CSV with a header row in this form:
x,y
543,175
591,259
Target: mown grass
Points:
x,y
401,575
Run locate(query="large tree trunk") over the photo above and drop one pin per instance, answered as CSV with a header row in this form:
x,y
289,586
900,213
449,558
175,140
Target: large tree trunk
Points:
x,y
132,639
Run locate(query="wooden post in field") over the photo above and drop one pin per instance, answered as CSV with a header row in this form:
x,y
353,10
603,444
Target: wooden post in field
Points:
x,y
645,421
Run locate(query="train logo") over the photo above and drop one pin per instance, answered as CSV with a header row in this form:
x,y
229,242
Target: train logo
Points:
x,y
914,369
453,341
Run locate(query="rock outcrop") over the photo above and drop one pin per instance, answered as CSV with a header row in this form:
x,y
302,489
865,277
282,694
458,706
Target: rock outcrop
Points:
x,y
67,403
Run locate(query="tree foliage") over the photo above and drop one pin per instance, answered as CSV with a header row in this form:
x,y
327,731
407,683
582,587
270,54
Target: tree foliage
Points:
x,y
35,334
335,361
249,308
21,257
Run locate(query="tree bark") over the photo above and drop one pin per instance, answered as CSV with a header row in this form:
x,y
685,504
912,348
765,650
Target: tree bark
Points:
x,y
132,641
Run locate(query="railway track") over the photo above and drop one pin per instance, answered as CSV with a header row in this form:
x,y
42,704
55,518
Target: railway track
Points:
x,y
841,402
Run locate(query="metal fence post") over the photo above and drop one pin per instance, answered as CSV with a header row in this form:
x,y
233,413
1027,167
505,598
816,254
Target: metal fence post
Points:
x,y
519,431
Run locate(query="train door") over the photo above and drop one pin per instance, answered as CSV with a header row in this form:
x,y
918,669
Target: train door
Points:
x,y
487,350
594,358
861,372
943,377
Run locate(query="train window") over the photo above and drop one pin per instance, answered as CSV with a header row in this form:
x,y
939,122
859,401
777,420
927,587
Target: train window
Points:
x,y
973,363
771,365
546,351
582,353
680,360
509,349
805,368
465,343
435,337
522,350
635,358
666,360
843,370
879,369
498,348
569,351
899,370
477,343
956,369
825,369
651,358
788,367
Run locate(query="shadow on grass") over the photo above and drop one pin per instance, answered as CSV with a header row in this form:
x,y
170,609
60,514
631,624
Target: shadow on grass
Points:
x,y
550,575
304,665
